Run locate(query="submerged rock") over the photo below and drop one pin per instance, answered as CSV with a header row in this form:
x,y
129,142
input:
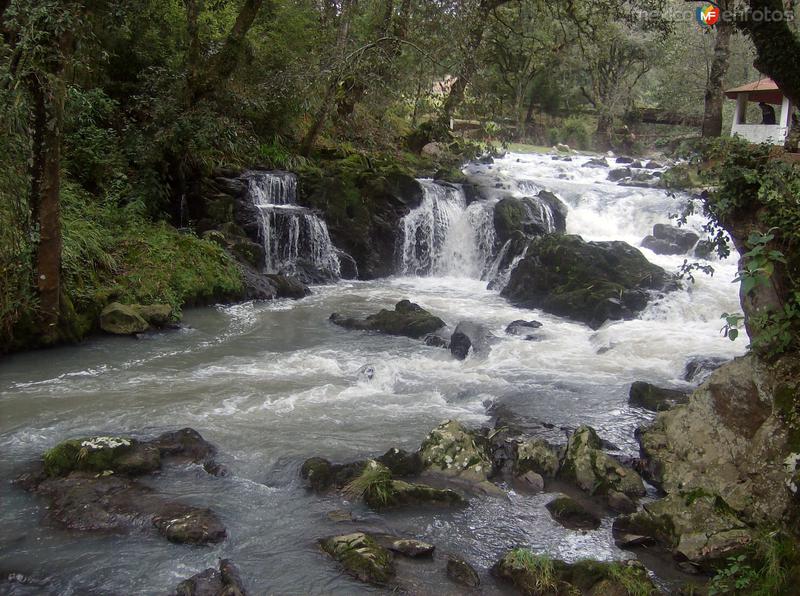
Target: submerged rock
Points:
x,y
462,573
470,337
405,494
535,575
699,368
361,556
408,547
407,319
595,471
571,514
451,450
618,174
656,399
591,282
596,162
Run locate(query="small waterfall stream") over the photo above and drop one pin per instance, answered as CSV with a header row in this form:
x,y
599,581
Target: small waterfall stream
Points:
x,y
294,237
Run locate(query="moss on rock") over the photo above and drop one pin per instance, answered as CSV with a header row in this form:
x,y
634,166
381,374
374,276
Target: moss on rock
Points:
x,y
452,450
361,557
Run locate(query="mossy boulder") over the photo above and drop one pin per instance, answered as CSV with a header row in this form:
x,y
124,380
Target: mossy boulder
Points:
x,y
590,282
536,455
321,475
539,575
593,470
407,319
529,216
361,556
696,526
452,450
158,315
404,494
462,573
571,514
122,319
101,454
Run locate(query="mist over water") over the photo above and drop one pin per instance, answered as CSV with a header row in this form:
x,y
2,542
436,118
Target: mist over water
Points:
x,y
274,383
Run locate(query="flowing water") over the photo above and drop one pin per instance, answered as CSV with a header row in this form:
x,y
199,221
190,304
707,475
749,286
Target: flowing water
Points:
x,y
292,235
274,383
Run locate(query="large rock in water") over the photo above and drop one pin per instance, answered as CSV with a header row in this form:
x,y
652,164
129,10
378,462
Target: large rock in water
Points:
x,y
469,337
571,514
535,575
288,287
90,486
451,450
738,438
591,282
361,556
595,471
530,216
670,240
656,399
407,318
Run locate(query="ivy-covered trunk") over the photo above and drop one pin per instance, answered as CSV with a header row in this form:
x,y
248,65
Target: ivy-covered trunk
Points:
x,y
714,99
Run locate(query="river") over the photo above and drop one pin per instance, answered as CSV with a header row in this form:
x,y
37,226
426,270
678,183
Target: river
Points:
x,y
274,383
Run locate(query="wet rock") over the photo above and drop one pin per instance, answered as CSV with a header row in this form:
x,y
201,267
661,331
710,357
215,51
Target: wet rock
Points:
x,y
366,373
470,337
361,557
532,482
122,319
670,240
87,501
340,515
591,282
571,514
523,328
704,249
627,541
157,315
257,286
402,463
620,502
321,475
462,573
407,319
656,399
595,471
696,526
653,165
436,341
414,549
529,216
288,287
699,368
746,406
348,268
188,446
537,456
618,174
596,162
406,494
451,450
533,575
625,160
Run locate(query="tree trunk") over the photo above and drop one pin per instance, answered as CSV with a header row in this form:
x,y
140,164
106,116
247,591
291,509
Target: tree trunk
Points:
x,y
715,97
227,59
777,47
333,83
605,123
48,95
194,9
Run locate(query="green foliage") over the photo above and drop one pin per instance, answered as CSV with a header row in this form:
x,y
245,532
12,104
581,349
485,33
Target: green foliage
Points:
x,y
539,569
771,566
375,480
575,132
632,579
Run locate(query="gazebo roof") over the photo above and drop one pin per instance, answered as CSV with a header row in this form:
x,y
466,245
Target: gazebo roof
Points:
x,y
764,89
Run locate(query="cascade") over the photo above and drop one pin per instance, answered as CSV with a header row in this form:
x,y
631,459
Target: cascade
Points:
x,y
294,238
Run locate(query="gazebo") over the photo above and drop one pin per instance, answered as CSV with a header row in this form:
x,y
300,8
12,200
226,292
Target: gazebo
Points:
x,y
764,90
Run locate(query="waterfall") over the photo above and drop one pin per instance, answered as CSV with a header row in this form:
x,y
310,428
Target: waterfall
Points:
x,y
445,237
294,238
